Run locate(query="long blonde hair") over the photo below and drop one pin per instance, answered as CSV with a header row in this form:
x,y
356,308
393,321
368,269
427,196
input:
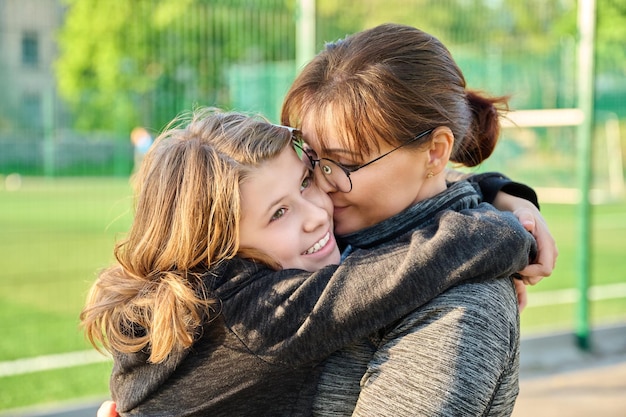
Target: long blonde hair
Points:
x,y
187,213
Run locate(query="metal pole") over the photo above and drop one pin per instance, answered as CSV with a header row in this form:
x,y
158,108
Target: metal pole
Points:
x,y
48,133
586,28
305,32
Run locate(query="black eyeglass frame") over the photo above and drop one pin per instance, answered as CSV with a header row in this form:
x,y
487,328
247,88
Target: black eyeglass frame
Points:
x,y
298,142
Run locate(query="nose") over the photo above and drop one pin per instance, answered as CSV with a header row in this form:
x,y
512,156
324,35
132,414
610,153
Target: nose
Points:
x,y
317,210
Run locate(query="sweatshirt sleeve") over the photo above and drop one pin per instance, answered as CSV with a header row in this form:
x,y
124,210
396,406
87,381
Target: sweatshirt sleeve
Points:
x,y
292,317
490,183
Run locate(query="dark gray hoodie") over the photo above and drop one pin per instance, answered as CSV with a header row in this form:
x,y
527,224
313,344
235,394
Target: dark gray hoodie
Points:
x,y
261,356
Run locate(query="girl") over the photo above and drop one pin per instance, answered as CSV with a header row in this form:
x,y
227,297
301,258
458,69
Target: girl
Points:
x,y
204,312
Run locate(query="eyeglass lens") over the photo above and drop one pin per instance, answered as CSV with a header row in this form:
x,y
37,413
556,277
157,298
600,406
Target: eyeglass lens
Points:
x,y
336,175
333,173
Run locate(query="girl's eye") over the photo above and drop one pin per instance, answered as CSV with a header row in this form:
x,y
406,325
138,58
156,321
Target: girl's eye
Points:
x,y
278,214
307,181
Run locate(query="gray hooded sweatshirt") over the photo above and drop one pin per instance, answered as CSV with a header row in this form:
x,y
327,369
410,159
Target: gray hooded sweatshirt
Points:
x,y
263,354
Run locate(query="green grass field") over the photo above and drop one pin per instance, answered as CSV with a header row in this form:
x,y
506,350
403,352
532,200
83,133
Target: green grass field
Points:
x,y
56,234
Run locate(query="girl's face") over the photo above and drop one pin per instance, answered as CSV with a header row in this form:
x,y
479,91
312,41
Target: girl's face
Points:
x,y
380,190
286,216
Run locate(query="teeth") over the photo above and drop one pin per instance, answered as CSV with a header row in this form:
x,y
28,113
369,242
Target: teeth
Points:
x,y
319,245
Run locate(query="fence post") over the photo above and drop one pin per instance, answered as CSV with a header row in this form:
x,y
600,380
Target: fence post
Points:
x,y
48,133
586,30
305,32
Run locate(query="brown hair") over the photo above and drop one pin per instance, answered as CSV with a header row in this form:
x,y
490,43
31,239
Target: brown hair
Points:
x,y
187,213
388,84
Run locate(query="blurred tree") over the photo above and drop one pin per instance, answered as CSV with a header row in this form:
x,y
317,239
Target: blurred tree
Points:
x,y
490,39
611,37
480,22
104,61
141,62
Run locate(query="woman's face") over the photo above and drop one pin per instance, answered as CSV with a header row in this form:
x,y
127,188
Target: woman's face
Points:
x,y
380,190
286,216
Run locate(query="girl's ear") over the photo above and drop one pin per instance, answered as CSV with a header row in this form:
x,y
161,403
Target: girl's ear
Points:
x,y
441,143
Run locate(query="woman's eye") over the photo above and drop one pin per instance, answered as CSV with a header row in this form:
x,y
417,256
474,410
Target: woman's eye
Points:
x,y
278,214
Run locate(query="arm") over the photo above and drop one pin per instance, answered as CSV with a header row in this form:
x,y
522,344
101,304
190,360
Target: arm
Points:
x,y
493,184
547,252
521,200
300,318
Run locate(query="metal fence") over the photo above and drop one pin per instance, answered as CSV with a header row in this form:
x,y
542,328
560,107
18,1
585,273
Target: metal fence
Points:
x,y
81,76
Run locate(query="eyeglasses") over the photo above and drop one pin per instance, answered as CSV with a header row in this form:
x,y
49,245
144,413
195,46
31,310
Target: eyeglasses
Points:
x,y
335,173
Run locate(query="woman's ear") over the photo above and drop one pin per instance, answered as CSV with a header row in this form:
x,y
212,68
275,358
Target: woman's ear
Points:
x,y
441,143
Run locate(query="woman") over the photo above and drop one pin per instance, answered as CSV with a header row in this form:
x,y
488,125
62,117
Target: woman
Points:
x,y
383,111
199,315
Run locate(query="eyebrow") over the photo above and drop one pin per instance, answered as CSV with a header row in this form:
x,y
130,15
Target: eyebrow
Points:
x,y
332,151
340,151
273,204
282,197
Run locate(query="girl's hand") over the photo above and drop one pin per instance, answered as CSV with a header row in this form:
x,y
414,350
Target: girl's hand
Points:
x,y
532,220
547,252
522,294
107,409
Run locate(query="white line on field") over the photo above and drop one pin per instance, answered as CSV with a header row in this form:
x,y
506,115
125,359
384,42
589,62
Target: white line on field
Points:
x,y
49,362
571,295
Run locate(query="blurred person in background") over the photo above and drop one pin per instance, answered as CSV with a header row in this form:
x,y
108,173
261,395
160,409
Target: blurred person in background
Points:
x,y
141,140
